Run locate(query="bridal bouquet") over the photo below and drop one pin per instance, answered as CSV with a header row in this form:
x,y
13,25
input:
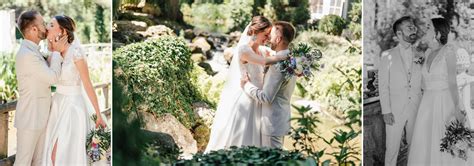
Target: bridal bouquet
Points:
x,y
302,59
98,143
458,140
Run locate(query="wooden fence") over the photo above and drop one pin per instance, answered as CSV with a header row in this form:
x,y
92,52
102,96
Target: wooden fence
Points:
x,y
105,88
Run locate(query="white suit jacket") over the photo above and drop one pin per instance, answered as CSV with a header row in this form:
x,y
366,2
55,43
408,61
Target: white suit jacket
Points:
x,y
399,94
35,78
275,98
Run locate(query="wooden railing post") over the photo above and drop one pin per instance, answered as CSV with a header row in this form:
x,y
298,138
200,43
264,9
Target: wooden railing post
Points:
x,y
105,90
3,134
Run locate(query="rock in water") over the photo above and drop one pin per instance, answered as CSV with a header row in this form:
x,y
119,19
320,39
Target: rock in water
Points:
x,y
130,25
198,57
228,53
204,112
189,34
207,67
156,31
202,43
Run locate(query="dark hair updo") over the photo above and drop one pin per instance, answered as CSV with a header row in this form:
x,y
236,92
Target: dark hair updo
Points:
x,y
258,24
67,23
441,27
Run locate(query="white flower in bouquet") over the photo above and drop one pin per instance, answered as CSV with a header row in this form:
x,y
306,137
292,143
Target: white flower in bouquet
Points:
x,y
461,145
95,140
299,65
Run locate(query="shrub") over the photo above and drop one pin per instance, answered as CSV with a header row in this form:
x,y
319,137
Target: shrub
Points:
x,y
335,60
8,82
128,148
210,86
156,75
207,16
332,24
248,156
296,12
240,14
137,146
301,13
356,17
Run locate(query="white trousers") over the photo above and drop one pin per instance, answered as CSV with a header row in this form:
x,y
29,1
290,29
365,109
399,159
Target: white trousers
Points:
x,y
394,137
30,146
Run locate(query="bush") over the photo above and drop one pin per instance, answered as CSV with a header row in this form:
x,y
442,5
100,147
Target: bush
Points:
x,y
8,82
129,140
332,24
210,86
356,17
156,75
207,16
339,66
306,135
240,14
137,146
248,156
301,13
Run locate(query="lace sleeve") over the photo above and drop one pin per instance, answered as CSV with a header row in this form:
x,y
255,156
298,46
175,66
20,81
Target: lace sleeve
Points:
x,y
242,49
79,54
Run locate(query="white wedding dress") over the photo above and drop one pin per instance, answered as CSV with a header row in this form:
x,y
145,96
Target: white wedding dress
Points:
x,y
69,121
237,120
436,110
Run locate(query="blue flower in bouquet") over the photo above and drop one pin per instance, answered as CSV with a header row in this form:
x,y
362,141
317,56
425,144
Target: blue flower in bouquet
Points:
x,y
303,58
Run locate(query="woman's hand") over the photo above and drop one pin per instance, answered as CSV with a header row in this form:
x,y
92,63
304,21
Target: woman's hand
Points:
x,y
460,115
266,53
100,122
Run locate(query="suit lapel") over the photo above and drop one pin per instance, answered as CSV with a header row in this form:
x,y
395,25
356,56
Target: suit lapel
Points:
x,y
397,60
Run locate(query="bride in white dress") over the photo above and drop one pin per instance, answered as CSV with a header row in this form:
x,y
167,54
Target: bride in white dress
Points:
x,y
237,120
69,121
439,104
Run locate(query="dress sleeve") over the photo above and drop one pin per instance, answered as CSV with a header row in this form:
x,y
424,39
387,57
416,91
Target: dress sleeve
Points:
x,y
79,54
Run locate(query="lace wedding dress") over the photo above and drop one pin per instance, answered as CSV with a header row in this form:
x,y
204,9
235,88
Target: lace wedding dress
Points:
x,y
69,121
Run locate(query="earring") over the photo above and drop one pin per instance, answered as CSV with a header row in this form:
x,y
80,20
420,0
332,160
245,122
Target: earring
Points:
x,y
254,37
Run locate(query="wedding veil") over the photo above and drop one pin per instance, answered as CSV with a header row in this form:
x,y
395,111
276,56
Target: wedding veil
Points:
x,y
232,89
79,51
229,98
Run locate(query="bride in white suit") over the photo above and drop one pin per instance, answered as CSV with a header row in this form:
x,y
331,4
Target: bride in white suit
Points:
x,y
69,121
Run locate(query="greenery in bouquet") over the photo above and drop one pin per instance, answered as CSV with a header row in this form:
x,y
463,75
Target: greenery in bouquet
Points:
x,y
458,140
98,143
302,59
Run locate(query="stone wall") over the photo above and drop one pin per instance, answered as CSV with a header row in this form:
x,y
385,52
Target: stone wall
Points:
x,y
374,134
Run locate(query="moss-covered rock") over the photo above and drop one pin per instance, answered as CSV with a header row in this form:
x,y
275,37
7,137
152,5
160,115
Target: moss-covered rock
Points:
x,y
156,73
